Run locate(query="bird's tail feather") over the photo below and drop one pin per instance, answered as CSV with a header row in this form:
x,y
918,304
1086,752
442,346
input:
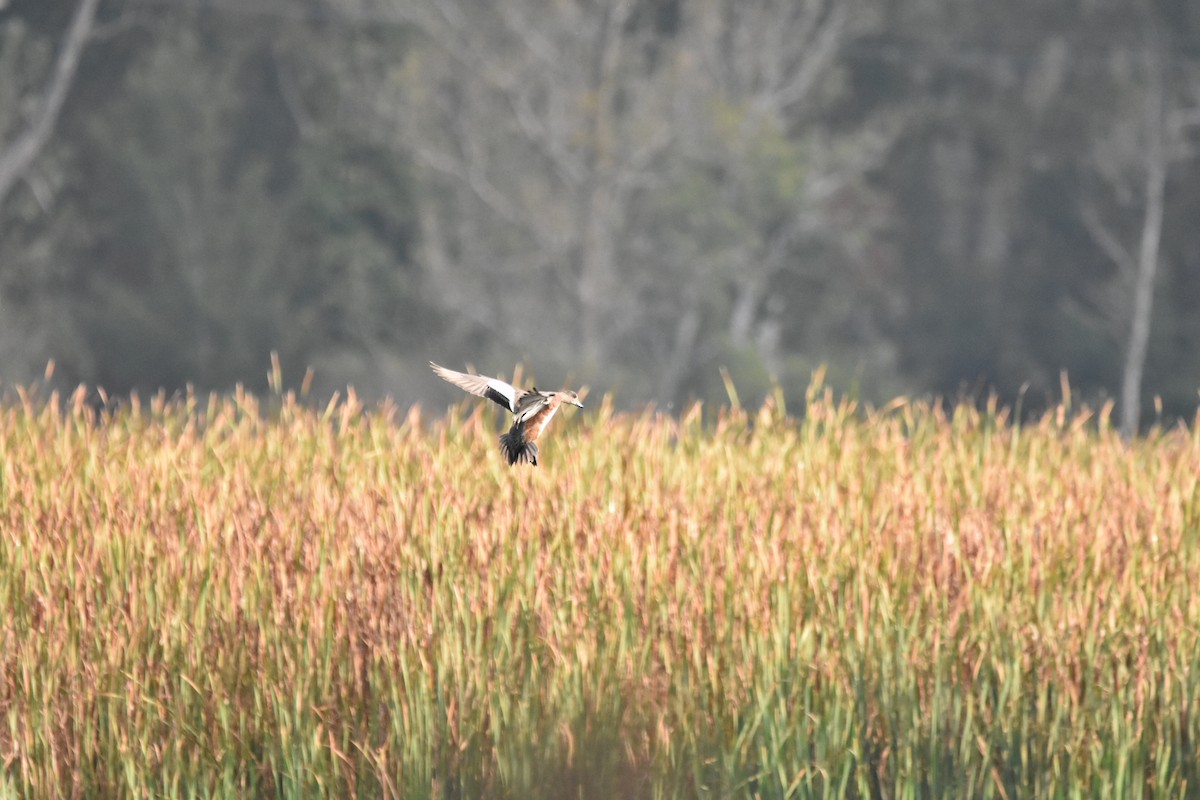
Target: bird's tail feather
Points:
x,y
515,448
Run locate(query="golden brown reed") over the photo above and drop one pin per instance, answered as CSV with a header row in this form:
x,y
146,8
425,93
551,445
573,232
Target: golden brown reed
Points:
x,y
240,595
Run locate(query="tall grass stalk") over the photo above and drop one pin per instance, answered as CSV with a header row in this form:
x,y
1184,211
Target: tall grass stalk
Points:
x,y
206,598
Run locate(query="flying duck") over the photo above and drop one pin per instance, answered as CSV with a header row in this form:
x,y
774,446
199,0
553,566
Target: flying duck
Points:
x,y
532,410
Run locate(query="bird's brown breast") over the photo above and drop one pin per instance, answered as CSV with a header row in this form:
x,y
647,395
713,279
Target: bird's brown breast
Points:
x,y
538,422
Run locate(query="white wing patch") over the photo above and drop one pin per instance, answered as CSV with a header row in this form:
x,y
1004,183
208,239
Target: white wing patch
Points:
x,y
493,389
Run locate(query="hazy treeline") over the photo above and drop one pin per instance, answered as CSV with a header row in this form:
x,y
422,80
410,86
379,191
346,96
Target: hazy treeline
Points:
x,y
928,196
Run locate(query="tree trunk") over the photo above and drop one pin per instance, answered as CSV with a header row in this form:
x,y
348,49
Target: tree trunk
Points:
x,y
597,267
687,330
1147,263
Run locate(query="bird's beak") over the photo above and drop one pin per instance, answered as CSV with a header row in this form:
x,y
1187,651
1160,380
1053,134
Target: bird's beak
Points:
x,y
578,403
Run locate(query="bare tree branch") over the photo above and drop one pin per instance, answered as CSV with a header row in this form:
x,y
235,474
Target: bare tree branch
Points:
x,y
823,49
1106,239
292,100
471,176
18,156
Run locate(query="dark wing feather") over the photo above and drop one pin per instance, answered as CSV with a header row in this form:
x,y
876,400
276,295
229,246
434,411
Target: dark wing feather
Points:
x,y
529,405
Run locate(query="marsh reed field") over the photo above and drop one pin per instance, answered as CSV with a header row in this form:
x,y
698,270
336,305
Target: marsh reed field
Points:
x,y
241,597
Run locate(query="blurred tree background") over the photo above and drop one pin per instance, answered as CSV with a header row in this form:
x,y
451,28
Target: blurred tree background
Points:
x,y
930,197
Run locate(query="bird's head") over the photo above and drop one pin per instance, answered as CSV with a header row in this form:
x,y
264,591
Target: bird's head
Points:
x,y
572,398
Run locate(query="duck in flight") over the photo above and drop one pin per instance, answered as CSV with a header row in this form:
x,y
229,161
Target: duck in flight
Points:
x,y
532,410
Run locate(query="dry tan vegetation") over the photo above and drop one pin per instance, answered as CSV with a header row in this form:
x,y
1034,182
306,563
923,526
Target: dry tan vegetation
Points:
x,y
238,596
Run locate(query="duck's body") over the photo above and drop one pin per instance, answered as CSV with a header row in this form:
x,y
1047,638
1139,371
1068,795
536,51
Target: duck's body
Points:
x,y
532,410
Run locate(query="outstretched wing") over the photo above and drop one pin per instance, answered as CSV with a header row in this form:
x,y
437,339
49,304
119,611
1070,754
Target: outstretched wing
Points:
x,y
493,389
